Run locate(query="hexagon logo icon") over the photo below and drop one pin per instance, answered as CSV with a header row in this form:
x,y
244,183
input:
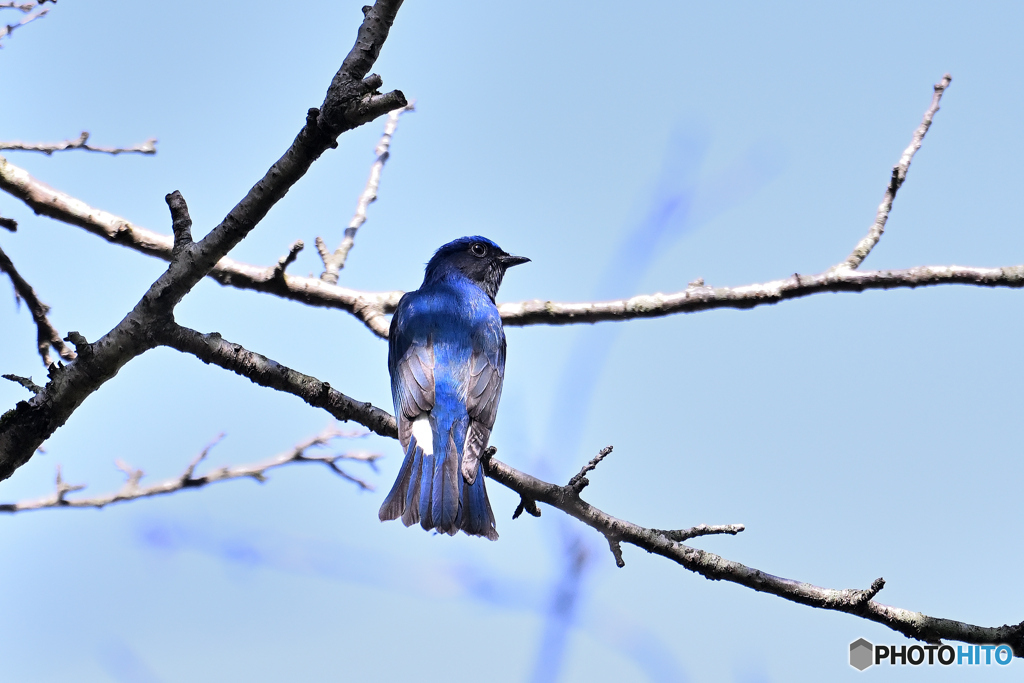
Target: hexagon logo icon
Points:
x,y
861,654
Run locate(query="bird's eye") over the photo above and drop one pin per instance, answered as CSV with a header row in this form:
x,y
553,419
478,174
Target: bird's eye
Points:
x,y
478,249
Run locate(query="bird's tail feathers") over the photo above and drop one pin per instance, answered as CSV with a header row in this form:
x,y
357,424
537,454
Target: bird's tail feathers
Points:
x,y
476,516
403,500
432,488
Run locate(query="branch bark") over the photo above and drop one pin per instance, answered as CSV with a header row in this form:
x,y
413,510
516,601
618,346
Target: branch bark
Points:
x,y
214,349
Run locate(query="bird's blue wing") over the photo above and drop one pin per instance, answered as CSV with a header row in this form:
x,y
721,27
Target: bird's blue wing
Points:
x,y
483,390
411,362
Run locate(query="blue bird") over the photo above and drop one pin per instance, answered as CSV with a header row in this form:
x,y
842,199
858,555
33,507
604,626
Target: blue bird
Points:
x,y
446,356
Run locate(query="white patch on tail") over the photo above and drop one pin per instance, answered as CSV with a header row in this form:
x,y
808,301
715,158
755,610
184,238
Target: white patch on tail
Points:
x,y
423,434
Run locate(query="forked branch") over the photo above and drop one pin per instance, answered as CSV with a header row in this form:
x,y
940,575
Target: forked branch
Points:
x,y
131,490
668,544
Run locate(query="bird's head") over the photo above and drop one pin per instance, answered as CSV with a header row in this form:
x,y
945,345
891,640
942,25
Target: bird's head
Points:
x,y
478,258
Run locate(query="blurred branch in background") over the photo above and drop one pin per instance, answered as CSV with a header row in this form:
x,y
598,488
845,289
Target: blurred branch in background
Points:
x,y
131,490
442,578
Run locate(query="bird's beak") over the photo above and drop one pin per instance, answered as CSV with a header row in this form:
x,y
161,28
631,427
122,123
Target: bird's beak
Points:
x,y
508,260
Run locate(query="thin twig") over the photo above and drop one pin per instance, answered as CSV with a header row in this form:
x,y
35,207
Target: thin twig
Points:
x,y
81,142
25,382
680,535
580,481
8,224
131,490
288,259
899,174
47,335
333,263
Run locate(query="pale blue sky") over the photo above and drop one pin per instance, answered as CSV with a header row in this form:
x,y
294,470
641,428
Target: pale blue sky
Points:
x,y
856,435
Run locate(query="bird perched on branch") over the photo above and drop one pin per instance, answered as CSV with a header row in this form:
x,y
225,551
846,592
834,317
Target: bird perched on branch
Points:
x,y
446,355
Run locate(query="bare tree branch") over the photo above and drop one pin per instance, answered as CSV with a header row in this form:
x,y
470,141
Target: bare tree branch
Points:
x,y
131,490
47,335
9,28
333,263
147,147
858,602
899,174
703,298
9,224
351,100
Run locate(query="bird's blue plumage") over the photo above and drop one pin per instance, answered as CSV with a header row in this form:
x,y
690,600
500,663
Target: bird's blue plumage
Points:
x,y
447,363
